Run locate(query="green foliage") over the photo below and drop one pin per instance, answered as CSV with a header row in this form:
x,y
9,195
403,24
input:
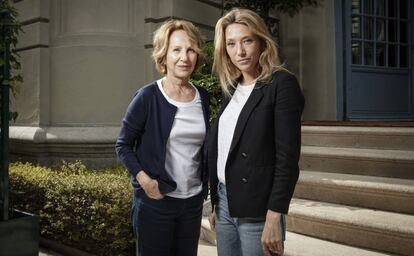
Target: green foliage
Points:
x,y
291,7
10,29
85,209
205,78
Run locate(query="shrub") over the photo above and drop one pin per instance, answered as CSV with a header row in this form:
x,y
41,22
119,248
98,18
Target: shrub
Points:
x,y
204,77
88,210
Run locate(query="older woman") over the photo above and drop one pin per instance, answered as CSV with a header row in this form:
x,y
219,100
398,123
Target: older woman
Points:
x,y
254,146
161,144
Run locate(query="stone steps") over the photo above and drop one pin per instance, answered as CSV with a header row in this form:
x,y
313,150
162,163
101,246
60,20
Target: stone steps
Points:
x,y
296,245
355,194
354,226
381,193
300,245
371,162
394,138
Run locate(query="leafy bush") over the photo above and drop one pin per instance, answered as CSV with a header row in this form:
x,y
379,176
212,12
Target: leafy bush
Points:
x,y
11,28
204,78
88,210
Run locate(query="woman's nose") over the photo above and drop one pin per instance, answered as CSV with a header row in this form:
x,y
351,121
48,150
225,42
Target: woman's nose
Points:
x,y
240,50
183,56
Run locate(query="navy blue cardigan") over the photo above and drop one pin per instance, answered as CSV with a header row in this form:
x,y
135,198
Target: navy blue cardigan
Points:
x,y
145,129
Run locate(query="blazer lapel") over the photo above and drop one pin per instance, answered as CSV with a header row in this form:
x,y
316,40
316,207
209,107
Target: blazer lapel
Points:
x,y
251,103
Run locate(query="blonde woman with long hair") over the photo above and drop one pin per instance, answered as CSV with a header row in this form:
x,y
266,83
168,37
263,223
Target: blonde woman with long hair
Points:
x,y
254,146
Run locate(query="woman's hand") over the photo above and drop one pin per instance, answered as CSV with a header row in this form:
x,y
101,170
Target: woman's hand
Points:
x,y
272,234
212,220
150,186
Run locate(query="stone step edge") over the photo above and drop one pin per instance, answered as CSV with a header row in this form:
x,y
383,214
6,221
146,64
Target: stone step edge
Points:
x,y
358,130
388,224
312,246
302,245
371,184
358,153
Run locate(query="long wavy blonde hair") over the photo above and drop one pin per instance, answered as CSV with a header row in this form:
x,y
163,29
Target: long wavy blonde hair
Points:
x,y
269,61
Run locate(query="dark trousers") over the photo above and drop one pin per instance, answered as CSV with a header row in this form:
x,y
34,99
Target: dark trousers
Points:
x,y
170,226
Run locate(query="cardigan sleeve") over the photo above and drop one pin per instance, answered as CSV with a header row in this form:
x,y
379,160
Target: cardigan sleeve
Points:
x,y
289,104
132,128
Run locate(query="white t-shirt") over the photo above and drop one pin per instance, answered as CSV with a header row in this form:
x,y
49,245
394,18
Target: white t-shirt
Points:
x,y
183,150
227,124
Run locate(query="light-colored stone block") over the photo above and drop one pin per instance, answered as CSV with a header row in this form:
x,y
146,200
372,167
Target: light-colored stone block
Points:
x,y
386,163
103,16
32,101
93,85
34,35
33,10
395,138
376,230
191,10
381,193
94,146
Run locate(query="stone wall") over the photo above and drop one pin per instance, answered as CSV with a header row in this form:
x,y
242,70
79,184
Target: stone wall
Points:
x,y
82,61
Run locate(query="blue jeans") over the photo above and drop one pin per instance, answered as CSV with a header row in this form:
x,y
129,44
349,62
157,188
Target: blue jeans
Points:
x,y
238,236
136,202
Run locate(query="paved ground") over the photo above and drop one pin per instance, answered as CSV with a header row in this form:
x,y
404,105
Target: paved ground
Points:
x,y
46,252
204,249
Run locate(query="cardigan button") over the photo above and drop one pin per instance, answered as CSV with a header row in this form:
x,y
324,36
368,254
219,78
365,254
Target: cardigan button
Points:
x,y
244,155
244,180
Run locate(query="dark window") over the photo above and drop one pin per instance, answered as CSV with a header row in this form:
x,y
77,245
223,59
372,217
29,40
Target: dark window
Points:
x,y
392,31
380,55
403,32
356,27
403,56
356,7
404,9
356,52
392,8
369,53
380,8
380,33
380,29
368,7
369,28
392,55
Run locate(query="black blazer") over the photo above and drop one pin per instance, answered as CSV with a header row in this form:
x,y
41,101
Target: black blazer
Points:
x,y
262,165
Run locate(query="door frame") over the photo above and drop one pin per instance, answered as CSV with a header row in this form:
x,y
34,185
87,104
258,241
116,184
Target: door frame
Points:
x,y
340,52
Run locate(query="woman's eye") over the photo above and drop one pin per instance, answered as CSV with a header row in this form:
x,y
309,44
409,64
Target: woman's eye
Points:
x,y
248,41
191,50
230,44
176,50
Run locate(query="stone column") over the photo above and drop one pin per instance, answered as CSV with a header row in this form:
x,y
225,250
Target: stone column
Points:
x,y
82,61
308,43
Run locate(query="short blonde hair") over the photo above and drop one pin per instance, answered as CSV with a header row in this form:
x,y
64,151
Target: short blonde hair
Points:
x,y
269,61
162,37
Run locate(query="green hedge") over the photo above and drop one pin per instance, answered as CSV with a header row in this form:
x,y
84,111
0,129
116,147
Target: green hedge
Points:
x,y
88,210
204,77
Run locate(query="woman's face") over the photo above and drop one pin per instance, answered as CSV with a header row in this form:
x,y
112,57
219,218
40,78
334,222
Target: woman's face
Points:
x,y
243,48
181,57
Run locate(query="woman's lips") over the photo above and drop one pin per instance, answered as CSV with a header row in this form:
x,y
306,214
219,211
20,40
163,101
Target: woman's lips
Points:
x,y
243,61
